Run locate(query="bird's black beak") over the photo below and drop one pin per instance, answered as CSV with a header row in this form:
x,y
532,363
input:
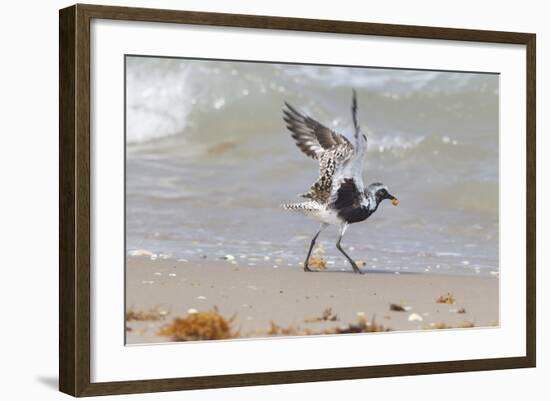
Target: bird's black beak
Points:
x,y
394,200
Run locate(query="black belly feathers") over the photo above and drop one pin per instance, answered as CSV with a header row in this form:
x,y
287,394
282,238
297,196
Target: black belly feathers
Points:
x,y
348,203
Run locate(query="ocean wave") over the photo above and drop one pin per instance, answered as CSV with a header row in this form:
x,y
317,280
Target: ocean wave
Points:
x,y
167,97
159,99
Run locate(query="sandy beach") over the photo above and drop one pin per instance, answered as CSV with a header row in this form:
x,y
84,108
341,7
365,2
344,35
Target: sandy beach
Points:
x,y
258,297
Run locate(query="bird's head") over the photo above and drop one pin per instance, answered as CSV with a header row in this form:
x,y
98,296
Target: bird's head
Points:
x,y
380,192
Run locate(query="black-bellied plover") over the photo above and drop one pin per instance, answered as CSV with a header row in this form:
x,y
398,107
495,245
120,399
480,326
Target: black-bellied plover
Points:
x,y
338,196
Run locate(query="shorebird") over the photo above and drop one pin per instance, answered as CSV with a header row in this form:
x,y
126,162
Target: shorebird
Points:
x,y
338,197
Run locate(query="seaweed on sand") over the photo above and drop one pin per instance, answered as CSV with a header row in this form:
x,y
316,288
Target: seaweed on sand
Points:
x,y
277,330
448,299
318,263
362,325
209,325
443,326
153,314
327,316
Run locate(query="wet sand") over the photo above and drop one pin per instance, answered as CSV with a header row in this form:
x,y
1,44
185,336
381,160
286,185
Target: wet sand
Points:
x,y
288,296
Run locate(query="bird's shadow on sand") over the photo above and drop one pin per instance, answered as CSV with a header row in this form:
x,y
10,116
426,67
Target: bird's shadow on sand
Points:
x,y
52,382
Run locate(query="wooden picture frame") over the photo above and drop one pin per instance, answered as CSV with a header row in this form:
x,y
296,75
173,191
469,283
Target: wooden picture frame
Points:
x,y
74,199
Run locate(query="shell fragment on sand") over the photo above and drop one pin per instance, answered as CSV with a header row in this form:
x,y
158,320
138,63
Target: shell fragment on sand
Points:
x,y
415,317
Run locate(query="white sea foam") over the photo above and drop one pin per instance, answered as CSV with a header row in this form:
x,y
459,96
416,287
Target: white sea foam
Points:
x,y
167,96
158,99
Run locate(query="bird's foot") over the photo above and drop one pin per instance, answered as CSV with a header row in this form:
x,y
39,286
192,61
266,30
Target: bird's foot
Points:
x,y
307,269
357,269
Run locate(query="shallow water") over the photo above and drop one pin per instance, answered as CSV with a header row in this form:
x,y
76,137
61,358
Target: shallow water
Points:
x,y
209,161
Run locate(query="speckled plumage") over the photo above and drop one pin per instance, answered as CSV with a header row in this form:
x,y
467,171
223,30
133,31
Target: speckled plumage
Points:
x,y
329,162
338,158
312,137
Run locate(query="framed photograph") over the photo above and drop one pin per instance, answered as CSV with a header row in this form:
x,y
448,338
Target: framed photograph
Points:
x,y
250,200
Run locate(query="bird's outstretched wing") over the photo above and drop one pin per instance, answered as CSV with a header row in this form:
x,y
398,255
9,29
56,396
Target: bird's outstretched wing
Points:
x,y
312,137
354,114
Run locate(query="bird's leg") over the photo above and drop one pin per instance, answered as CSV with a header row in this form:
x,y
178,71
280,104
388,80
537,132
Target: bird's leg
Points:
x,y
306,263
351,261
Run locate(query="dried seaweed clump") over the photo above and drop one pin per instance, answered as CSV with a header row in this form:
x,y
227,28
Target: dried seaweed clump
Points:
x,y
327,316
276,330
448,299
361,326
153,314
197,326
443,326
318,263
